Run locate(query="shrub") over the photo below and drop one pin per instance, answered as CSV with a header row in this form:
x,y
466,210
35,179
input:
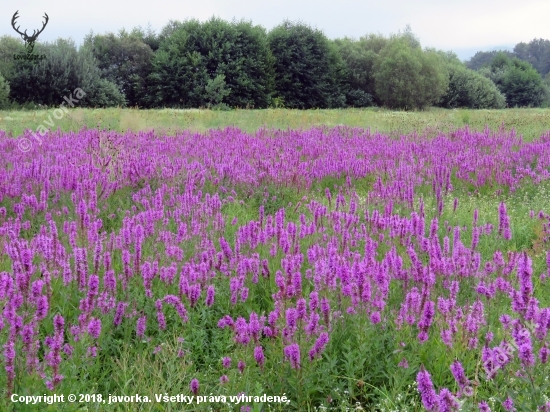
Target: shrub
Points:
x,y
469,89
4,92
62,71
517,80
192,55
309,72
125,61
408,78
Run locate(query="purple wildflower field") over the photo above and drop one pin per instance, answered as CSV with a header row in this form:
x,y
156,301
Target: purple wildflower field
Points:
x,y
343,268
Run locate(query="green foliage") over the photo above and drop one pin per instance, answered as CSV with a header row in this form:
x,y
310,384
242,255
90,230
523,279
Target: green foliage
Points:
x,y
359,98
4,92
484,59
148,37
192,54
179,73
309,71
359,57
216,90
407,77
523,85
469,89
125,61
63,70
8,47
517,80
537,53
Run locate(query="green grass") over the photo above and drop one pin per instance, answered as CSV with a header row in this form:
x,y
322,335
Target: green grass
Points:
x,y
361,361
531,123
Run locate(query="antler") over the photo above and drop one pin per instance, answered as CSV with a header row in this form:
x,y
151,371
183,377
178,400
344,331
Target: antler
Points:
x,y
15,17
25,35
34,36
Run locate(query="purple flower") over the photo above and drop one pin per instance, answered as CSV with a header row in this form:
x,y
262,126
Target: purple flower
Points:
x,y
484,407
223,379
121,308
226,362
543,354
448,403
314,300
319,345
140,327
160,315
312,324
430,400
241,327
174,301
94,328
508,405
241,365
291,318
526,354
292,353
194,386
259,356
458,372
210,293
325,310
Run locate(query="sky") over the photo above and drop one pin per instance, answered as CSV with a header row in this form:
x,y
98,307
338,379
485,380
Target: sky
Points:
x,y
463,26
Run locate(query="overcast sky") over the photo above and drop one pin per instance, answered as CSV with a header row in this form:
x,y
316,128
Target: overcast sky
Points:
x,y
463,26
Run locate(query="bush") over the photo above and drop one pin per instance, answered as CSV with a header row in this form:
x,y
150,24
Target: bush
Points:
x,y
469,89
4,92
309,72
192,55
125,61
64,70
8,47
408,78
216,91
517,80
359,57
359,98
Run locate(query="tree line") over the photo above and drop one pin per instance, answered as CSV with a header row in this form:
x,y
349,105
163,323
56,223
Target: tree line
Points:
x,y
221,65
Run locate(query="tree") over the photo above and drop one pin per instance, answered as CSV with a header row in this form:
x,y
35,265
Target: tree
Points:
x,y
537,53
469,89
359,60
62,71
517,80
483,59
191,55
149,37
523,85
309,72
216,91
179,73
408,78
125,61
360,57
4,92
8,47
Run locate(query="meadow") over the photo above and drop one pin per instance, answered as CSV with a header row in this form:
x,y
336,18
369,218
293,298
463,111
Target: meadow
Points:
x,y
340,260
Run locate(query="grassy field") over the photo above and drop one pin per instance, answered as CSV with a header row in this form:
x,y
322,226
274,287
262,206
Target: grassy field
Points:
x,y
170,202
531,123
